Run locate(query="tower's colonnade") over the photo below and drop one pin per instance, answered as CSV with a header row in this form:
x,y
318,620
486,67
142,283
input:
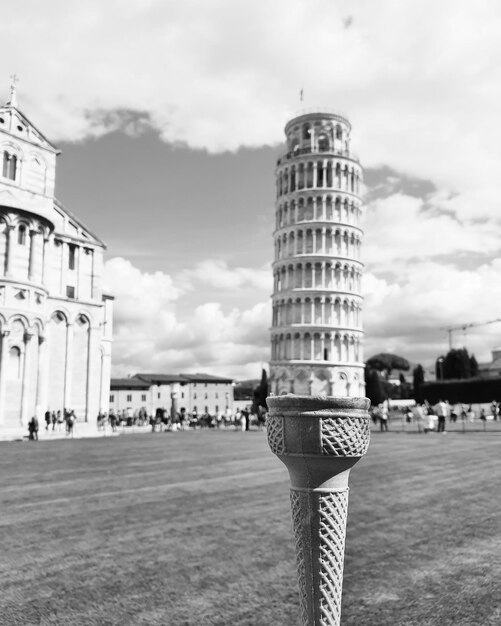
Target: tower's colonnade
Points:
x,y
316,335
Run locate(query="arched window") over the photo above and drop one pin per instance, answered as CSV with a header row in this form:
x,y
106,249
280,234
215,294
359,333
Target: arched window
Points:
x,y
21,235
323,143
9,165
14,369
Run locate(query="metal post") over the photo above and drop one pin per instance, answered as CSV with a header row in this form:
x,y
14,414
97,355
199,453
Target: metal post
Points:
x,y
319,440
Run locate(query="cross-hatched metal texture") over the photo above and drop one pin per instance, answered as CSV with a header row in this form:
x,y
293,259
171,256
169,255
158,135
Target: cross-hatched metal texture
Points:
x,y
299,505
345,436
275,433
333,510
319,520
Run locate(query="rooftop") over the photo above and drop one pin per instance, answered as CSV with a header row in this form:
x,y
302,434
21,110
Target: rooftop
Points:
x,y
128,383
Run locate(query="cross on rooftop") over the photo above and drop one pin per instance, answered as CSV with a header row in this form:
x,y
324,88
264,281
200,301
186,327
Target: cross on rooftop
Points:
x,y
14,80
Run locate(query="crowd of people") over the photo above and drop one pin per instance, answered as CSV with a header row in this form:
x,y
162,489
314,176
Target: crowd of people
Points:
x,y
54,420
433,418
162,420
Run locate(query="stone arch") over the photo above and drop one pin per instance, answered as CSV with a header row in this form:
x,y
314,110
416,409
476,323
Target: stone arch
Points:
x,y
309,209
320,383
307,311
328,311
293,178
328,241
309,241
319,208
355,386
288,346
328,208
318,275
323,143
298,276
309,175
317,347
300,210
308,278
301,176
328,175
337,312
341,384
307,346
301,383
297,312
18,323
317,308
283,383
57,331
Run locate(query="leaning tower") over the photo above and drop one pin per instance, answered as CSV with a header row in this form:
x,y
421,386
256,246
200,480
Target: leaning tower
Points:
x,y
316,335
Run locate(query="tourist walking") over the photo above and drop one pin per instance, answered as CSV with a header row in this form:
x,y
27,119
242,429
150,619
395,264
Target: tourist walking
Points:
x,y
419,416
47,420
494,410
70,422
33,428
441,411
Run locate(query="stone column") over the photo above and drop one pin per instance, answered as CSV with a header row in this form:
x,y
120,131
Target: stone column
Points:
x,y
44,259
43,354
26,379
3,373
69,366
31,262
91,388
92,275
319,440
173,406
8,250
78,262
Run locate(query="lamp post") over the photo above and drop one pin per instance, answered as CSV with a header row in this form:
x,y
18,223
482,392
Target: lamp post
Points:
x,y
319,439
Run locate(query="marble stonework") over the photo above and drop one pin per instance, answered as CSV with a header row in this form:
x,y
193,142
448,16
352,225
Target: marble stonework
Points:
x,y
55,321
316,334
319,439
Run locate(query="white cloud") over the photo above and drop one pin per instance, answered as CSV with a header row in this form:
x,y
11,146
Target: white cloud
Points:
x,y
423,93
400,229
152,335
409,318
216,273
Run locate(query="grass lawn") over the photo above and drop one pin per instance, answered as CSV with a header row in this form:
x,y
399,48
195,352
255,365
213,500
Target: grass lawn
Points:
x,y
194,528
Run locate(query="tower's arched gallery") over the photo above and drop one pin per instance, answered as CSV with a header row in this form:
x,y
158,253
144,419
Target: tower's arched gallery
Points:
x,y
55,322
316,335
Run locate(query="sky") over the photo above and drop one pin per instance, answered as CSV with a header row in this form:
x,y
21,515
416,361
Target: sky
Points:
x,y
170,119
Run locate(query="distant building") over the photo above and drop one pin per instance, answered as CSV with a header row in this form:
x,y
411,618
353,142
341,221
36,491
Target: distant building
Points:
x,y
55,321
492,369
316,334
201,393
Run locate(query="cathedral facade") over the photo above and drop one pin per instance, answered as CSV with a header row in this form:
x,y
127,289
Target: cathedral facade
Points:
x,y
316,335
55,321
